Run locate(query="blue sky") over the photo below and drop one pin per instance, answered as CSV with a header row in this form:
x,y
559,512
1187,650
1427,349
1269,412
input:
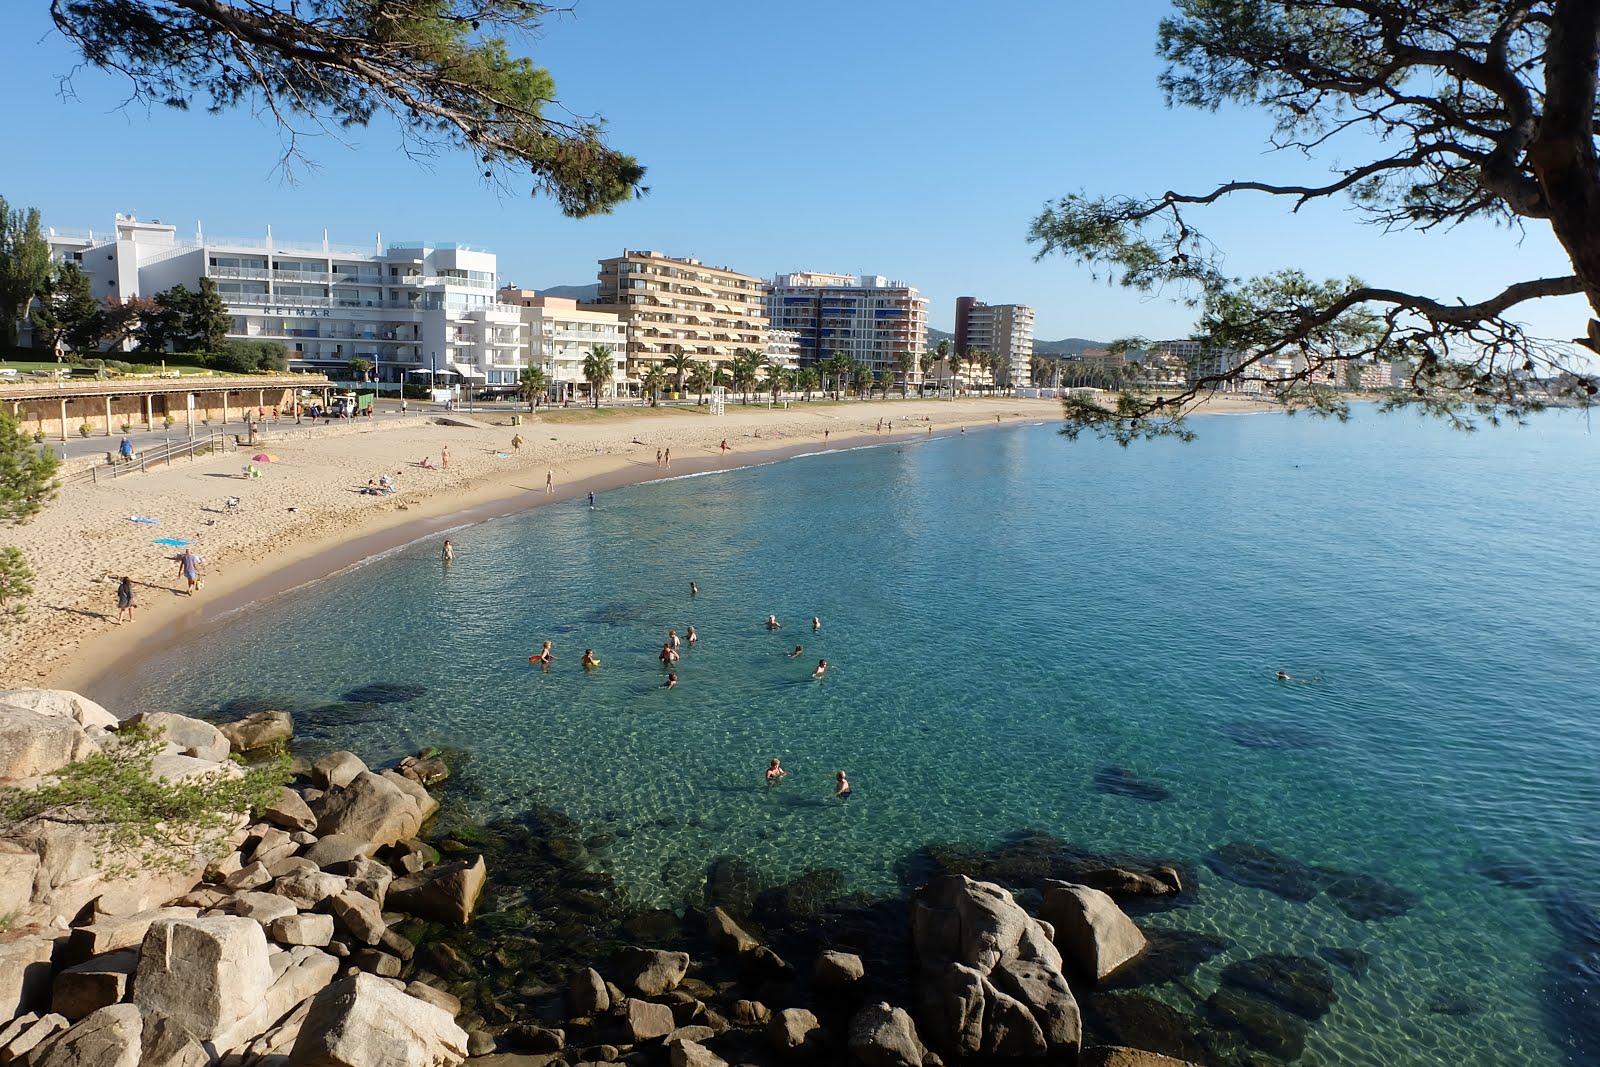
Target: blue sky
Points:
x,y
911,139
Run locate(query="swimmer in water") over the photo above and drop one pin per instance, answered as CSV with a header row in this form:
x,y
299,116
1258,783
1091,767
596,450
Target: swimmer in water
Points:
x,y
668,656
694,590
589,659
690,637
843,789
773,623
591,501
775,772
671,682
798,650
672,639
822,668
816,623
1283,676
449,552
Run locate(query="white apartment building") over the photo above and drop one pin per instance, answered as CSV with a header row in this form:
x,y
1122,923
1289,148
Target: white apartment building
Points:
x,y
560,337
1004,330
417,308
868,318
1203,361
783,348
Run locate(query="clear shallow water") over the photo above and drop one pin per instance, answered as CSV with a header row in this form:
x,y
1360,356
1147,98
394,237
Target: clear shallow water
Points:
x,y
1004,614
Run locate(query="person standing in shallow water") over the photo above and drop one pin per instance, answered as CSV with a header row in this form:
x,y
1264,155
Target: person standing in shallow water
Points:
x,y
775,772
842,787
449,552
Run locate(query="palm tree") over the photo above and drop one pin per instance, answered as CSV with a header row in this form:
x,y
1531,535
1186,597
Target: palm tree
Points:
x,y
926,362
699,378
839,366
744,371
680,362
861,378
530,384
941,352
654,380
904,362
885,381
808,379
598,367
778,380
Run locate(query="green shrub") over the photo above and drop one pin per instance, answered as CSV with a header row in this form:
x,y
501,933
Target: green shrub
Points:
x,y
85,430
139,821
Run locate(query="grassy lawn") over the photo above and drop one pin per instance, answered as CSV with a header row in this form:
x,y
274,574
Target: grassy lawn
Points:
x,y
49,365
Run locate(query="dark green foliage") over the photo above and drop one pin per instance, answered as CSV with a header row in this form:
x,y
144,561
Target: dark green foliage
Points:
x,y
434,66
1434,114
186,320
27,473
16,582
24,266
598,367
140,821
68,315
248,357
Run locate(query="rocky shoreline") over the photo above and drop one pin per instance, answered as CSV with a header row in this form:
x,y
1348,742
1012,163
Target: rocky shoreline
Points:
x,y
350,922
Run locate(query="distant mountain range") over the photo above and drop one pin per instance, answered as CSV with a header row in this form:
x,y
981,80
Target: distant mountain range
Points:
x,y
1067,346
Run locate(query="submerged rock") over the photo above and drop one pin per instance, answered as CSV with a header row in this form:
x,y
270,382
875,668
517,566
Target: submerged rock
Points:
x,y
1573,983
1352,961
1262,868
1298,983
1274,737
1170,955
384,693
1119,781
1265,1025
1363,897
732,884
1511,873
1139,1021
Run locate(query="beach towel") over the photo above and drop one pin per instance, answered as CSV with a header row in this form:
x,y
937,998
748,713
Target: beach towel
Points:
x,y
141,518
173,541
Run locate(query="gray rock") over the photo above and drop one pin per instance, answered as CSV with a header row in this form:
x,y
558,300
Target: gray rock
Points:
x,y
260,730
337,770
250,876
393,943
288,865
371,807
646,1021
94,984
211,976
110,1037
19,869
290,812
25,973
447,892
1119,1056
30,1037
379,963
727,935
305,928
439,998
266,839
682,1052
885,1036
186,736
796,1035
586,994
33,744
63,704
166,1044
651,972
113,932
333,849
368,877
359,916
307,970
751,1013
426,805
1090,929
171,767
308,889
264,908
363,1022
839,972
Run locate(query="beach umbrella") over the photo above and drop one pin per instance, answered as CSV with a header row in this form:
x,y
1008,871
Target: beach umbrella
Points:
x,y
264,457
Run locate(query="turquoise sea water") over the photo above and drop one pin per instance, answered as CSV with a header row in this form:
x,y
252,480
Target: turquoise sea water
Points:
x,y
1004,614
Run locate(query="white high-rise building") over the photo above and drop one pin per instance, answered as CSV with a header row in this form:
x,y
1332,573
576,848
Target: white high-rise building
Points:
x,y
1004,330
868,318
560,337
408,307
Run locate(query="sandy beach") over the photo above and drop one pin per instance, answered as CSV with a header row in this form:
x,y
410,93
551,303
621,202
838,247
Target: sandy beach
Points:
x,y
306,516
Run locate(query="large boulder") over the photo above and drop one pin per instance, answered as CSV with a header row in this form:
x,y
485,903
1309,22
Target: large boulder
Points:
x,y
989,979
838,972
362,1021
110,1037
681,1052
289,811
210,976
19,868
447,892
371,807
359,916
62,704
186,736
166,1044
646,1020
1120,1056
307,889
586,994
727,935
651,972
796,1035
306,972
885,1036
337,770
1090,929
261,730
25,956
94,984
34,744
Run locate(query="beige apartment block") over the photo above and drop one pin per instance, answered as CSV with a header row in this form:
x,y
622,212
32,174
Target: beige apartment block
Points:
x,y
671,305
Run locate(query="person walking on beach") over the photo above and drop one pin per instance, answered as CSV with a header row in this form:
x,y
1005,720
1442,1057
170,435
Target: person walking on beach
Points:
x,y
449,552
842,789
658,457
125,449
666,459
189,567
444,458
775,772
549,481
125,600
822,669
403,407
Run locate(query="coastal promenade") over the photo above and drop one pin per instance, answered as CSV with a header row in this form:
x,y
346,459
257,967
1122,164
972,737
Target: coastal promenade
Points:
x,y
306,516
